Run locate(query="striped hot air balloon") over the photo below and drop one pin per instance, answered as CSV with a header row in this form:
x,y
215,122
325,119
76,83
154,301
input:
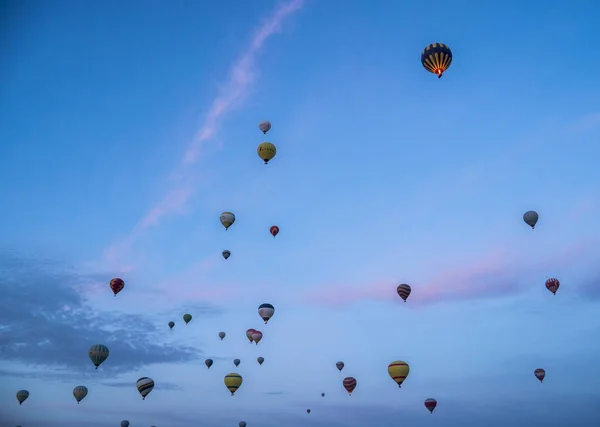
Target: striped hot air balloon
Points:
x,y
430,404
257,336
403,291
98,354
274,230
349,384
266,311
398,371
436,58
233,381
145,386
552,285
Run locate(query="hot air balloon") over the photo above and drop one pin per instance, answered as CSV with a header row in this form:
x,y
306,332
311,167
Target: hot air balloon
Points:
x,y
322,394
242,424
540,374
233,381
249,333
265,126
221,335
403,291
398,371
116,285
260,360
145,386
98,353
274,230
436,58
227,219
171,325
226,254
266,151
80,392
531,218
22,396
552,285
236,362
257,336
430,404
187,318
340,366
349,384
308,411
208,363
266,311
124,423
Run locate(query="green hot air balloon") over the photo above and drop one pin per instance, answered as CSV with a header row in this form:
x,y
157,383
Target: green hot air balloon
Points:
x,y
187,318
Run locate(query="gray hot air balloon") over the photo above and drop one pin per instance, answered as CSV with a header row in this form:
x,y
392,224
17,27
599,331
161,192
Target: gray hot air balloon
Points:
x,y
236,362
221,335
208,363
322,394
124,423
226,254
340,366
265,126
171,325
187,318
80,392
260,360
242,424
531,218
98,354
22,396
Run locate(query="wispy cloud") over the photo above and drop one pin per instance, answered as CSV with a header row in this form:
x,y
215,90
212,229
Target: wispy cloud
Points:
x,y
236,88
497,274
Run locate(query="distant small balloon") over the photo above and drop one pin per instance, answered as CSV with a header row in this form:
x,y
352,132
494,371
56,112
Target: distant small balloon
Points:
x,y
349,384
242,424
552,285
22,396
187,318
266,311
124,423
274,230
260,360
249,333
308,411
340,366
117,285
226,254
144,386
257,336
236,362
80,392
322,394
233,381
221,335
171,325
208,363
98,354
540,374
430,404
265,126
531,218
403,291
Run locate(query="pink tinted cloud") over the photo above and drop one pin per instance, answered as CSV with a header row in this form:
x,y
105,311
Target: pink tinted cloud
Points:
x,y
487,276
233,92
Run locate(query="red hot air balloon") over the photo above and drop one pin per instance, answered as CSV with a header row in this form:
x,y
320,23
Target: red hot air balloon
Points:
x,y
552,285
349,384
540,374
249,333
274,230
430,404
117,285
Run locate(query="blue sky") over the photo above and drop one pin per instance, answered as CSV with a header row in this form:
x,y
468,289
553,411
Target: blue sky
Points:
x,y
127,130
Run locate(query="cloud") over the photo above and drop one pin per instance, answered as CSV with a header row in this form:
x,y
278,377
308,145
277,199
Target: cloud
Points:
x,y
46,323
274,392
233,92
498,274
488,276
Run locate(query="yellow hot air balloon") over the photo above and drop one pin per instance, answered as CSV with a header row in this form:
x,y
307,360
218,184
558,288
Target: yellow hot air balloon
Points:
x,y
233,381
266,151
398,370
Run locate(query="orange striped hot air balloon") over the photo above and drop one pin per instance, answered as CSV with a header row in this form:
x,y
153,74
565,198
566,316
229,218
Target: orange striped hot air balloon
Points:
x,y
398,370
349,384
